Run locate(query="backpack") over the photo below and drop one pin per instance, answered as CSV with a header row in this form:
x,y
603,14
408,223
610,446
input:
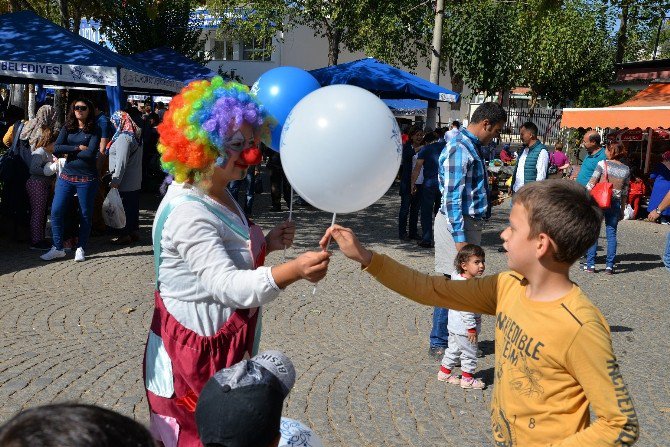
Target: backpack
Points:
x,y
12,165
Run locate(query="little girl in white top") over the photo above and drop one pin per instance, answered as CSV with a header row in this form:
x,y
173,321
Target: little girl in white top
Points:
x,y
464,327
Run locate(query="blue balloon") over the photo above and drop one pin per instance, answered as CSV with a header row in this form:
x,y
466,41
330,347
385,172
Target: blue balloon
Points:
x,y
279,90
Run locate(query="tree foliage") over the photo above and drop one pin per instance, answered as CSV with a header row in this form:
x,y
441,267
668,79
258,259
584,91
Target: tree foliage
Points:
x,y
141,25
482,40
393,30
565,50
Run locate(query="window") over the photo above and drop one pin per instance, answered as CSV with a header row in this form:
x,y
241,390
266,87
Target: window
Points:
x,y
223,50
257,50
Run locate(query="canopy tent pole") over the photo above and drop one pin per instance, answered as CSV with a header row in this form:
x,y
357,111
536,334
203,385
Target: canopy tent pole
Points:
x,y
647,159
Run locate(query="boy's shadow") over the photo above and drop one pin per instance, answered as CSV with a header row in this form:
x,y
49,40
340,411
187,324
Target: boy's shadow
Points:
x,y
487,346
487,376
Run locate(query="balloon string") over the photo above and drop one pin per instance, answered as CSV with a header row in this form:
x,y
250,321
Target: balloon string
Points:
x,y
290,216
327,245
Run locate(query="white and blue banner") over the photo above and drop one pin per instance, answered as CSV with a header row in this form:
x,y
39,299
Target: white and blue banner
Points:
x,y
78,74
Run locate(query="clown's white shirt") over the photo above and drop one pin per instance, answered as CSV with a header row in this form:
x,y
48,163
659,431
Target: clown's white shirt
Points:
x,y
205,272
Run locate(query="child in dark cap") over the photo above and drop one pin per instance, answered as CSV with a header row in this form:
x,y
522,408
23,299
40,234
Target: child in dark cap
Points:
x,y
241,406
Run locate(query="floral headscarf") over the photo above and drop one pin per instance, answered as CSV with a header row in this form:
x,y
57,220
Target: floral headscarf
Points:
x,y
124,125
32,130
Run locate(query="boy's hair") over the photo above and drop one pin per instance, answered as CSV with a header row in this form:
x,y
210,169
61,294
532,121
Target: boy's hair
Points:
x,y
465,253
566,212
73,425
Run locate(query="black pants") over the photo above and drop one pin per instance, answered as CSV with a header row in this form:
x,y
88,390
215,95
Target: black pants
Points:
x,y
279,185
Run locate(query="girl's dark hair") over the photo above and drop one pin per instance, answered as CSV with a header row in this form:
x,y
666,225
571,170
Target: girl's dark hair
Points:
x,y
71,122
465,253
73,425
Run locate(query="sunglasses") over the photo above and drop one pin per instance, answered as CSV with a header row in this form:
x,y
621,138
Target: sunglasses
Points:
x,y
81,108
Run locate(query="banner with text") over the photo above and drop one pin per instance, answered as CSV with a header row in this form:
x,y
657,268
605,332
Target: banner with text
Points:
x,y
76,74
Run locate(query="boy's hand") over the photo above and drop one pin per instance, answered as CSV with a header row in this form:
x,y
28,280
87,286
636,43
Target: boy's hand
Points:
x,y
348,243
281,236
472,338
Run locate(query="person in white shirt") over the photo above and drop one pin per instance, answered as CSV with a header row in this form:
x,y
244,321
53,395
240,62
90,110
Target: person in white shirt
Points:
x,y
208,257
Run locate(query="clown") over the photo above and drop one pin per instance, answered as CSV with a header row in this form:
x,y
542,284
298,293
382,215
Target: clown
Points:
x,y
210,279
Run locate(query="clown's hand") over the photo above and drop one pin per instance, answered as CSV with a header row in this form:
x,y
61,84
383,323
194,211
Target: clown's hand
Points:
x,y
281,236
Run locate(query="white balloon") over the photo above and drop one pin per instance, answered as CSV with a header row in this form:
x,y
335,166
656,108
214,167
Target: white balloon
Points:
x,y
341,148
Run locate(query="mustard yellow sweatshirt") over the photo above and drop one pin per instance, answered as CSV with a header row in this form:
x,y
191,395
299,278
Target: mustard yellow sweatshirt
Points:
x,y
552,359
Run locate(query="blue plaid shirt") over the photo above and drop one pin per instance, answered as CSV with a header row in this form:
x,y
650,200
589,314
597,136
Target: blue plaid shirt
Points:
x,y
463,181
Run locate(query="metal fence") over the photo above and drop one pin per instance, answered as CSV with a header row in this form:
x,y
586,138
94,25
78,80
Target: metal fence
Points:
x,y
548,122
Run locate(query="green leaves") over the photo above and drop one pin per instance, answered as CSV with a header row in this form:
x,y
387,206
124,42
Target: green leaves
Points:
x,y
140,25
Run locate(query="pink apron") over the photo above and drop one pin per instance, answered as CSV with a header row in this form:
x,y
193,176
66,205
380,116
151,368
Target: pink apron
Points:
x,y
178,362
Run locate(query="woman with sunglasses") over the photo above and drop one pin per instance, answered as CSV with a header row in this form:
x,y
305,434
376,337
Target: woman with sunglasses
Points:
x,y
78,140
208,257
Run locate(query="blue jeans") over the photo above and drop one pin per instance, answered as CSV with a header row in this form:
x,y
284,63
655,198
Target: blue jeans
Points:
x,y
666,255
131,206
439,336
250,181
428,196
612,215
65,189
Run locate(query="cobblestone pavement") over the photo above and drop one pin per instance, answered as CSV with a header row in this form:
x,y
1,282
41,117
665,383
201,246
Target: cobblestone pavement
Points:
x,y
76,331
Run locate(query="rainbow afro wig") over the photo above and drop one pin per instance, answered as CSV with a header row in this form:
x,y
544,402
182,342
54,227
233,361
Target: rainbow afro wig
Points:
x,y
199,121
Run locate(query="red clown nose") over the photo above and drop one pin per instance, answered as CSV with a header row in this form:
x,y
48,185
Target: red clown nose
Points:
x,y
251,156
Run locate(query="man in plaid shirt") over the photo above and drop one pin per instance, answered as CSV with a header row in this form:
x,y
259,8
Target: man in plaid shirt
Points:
x,y
464,185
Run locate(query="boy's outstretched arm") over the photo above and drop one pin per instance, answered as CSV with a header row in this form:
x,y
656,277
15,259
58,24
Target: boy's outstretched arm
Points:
x,y
478,296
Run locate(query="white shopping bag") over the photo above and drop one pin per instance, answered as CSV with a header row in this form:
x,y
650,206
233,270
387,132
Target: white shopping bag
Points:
x,y
628,212
112,210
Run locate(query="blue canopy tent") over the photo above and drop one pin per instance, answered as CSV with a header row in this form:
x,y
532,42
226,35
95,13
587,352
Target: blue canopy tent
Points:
x,y
406,107
35,50
173,64
386,81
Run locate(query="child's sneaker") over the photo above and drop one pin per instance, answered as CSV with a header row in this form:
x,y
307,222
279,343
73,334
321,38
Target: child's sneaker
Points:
x,y
470,383
449,378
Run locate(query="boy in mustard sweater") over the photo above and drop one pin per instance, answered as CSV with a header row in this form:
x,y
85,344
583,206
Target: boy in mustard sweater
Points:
x,y
553,352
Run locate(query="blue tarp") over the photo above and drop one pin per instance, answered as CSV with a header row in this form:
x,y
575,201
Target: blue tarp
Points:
x,y
406,106
173,64
384,80
34,49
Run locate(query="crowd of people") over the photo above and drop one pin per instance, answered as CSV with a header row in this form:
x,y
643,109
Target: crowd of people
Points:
x,y
65,171
205,382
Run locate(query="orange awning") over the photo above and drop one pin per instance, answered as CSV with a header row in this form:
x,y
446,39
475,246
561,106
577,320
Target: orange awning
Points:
x,y
649,108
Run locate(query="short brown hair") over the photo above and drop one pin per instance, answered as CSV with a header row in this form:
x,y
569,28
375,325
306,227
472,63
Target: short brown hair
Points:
x,y
618,150
465,253
566,212
558,146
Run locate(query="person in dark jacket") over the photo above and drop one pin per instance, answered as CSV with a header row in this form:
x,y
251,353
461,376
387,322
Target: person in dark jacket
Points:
x,y
79,141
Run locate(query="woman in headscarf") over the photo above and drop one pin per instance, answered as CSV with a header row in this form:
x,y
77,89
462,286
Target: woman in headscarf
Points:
x,y
125,165
210,279
45,118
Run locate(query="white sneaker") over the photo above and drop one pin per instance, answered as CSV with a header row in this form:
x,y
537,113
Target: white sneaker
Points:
x,y
54,253
79,255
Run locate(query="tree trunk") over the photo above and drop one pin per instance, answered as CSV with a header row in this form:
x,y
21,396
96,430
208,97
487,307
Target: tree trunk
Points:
x,y
31,101
64,16
334,46
76,25
60,104
457,85
622,35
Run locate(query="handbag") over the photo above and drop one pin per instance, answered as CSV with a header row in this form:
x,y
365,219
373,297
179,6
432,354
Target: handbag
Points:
x,y
602,192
